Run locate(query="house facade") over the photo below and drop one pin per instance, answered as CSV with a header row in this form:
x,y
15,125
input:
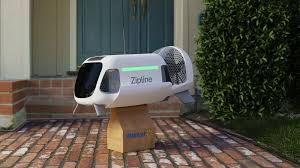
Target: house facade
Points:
x,y
48,38
43,42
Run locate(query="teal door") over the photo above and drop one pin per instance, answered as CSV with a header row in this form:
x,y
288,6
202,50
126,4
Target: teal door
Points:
x,y
148,25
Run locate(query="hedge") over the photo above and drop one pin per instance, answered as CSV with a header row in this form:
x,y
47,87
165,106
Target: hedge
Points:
x,y
243,46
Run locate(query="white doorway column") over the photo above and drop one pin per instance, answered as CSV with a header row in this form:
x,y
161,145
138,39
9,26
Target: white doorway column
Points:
x,y
181,38
73,33
186,21
15,39
186,18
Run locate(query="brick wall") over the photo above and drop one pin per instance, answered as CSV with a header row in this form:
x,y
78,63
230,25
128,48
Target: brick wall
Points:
x,y
51,87
12,104
53,98
169,108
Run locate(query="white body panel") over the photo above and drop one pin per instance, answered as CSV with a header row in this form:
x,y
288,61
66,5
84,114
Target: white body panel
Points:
x,y
133,93
130,94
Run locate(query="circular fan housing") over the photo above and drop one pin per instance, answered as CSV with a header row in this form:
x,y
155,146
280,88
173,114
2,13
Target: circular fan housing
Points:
x,y
175,62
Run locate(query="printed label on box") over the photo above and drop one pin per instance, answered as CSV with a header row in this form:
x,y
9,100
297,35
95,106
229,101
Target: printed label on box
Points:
x,y
136,135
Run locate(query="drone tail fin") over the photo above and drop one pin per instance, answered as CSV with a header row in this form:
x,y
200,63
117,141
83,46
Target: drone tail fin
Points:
x,y
185,97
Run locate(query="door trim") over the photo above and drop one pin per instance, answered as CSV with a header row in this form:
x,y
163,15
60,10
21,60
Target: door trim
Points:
x,y
73,35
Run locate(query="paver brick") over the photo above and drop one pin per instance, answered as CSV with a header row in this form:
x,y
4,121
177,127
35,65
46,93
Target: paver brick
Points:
x,y
55,160
179,160
133,161
36,148
45,154
261,161
28,157
147,157
116,155
74,154
213,149
192,156
9,162
20,152
212,161
80,140
7,142
4,154
245,151
225,158
69,165
285,165
249,163
52,145
82,143
117,164
66,142
150,165
164,161
85,162
202,152
61,151
21,165
102,159
234,154
234,166
37,163
160,153
270,157
199,164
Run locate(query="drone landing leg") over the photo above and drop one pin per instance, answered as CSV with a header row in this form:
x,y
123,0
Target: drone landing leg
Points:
x,y
100,110
130,129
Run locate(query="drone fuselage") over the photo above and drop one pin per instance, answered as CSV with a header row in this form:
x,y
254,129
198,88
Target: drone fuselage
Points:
x,y
134,79
140,81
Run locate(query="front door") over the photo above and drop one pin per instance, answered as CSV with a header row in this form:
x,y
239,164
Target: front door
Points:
x,y
147,26
50,37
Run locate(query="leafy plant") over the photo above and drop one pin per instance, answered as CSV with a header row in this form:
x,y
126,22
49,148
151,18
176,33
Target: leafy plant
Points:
x,y
241,57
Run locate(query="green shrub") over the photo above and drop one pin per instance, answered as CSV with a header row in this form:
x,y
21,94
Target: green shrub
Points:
x,y
294,58
241,57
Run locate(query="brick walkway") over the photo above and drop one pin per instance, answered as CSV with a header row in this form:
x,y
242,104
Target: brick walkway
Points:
x,y
82,143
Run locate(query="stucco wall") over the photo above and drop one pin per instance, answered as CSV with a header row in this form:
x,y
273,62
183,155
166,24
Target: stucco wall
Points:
x,y
15,39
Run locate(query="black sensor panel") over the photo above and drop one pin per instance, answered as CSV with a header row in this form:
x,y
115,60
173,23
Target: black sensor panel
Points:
x,y
111,81
87,79
165,74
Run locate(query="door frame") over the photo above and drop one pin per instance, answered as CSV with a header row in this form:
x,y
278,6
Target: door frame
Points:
x,y
73,35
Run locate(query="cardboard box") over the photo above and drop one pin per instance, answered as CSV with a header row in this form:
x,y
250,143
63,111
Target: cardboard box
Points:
x,y
130,129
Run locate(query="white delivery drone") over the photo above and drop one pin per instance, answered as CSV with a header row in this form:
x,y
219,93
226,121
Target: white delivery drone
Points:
x,y
134,79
